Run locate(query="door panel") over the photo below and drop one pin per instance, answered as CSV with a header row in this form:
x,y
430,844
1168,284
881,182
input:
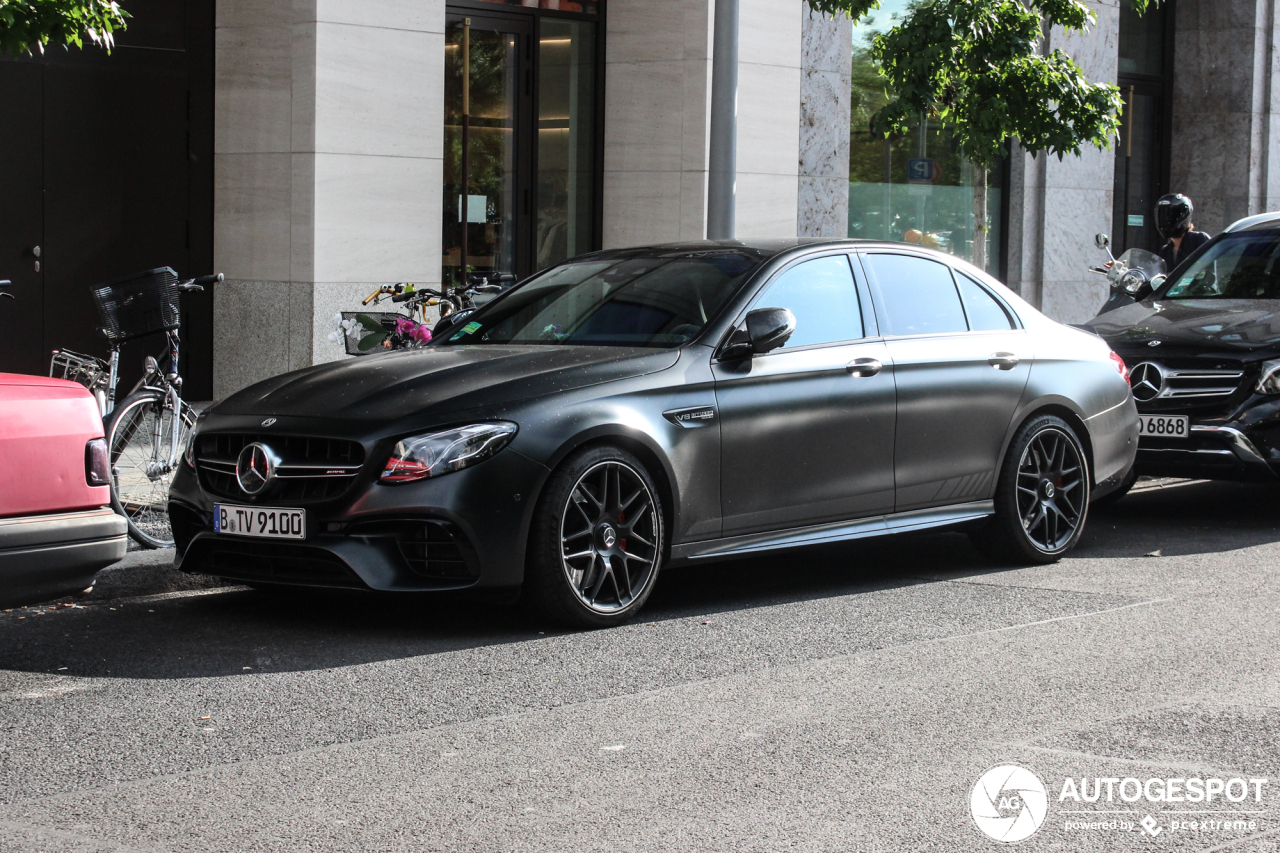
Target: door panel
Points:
x,y
21,216
954,410
803,440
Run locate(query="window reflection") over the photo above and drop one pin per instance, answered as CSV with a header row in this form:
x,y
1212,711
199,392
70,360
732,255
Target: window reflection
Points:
x,y
915,188
566,140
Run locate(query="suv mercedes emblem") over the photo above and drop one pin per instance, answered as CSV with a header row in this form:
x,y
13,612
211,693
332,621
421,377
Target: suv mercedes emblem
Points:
x,y
255,468
268,422
1147,380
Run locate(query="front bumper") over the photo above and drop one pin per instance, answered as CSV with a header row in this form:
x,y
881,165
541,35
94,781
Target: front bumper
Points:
x,y
461,531
1212,452
47,556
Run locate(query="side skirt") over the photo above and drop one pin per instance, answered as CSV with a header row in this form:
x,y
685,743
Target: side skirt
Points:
x,y
863,528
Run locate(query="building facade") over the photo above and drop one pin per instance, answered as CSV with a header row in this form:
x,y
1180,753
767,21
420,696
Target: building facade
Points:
x,y
313,150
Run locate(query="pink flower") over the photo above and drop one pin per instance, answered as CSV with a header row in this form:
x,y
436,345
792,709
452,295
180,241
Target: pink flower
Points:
x,y
422,333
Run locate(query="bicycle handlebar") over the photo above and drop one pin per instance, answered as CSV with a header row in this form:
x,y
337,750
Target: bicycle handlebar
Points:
x,y
208,279
404,297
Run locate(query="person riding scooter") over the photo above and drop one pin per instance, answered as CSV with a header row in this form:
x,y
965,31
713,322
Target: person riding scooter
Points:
x,y
1173,221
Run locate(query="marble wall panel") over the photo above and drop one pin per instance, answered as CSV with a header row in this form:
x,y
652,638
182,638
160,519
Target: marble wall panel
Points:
x,y
826,42
414,15
373,218
824,124
252,13
378,92
253,204
645,207
769,119
253,89
767,205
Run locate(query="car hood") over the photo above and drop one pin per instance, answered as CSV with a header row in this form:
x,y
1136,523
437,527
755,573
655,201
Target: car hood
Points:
x,y
1221,325
440,379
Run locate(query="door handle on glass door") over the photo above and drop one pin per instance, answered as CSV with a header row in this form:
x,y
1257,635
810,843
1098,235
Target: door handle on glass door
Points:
x,y
1003,360
864,366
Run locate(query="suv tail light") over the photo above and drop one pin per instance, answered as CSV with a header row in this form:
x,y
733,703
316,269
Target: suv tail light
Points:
x,y
1120,366
97,471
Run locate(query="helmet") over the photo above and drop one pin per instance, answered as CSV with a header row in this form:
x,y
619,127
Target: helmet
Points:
x,y
1173,215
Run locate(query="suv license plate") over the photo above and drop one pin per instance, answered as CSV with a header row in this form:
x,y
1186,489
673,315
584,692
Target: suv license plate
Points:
x,y
260,521
1167,426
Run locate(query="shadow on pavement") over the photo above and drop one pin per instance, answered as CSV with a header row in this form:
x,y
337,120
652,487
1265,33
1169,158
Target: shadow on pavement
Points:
x,y
214,633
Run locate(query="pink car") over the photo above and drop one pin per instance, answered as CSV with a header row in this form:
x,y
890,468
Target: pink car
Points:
x,y
56,530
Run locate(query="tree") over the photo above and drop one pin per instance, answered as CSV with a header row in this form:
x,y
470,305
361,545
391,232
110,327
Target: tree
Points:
x,y
980,68
25,24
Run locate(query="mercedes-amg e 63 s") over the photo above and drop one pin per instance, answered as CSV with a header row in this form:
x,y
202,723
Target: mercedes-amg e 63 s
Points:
x,y
633,410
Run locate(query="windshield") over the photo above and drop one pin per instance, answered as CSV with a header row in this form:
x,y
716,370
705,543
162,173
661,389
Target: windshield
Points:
x,y
1245,265
647,302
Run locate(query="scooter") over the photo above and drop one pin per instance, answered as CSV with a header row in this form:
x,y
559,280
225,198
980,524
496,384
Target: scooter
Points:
x,y
1133,276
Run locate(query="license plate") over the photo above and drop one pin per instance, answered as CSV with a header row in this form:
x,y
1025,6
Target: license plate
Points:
x,y
1167,426
259,521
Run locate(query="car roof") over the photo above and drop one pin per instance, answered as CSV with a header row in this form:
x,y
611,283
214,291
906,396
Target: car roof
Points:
x,y
764,249
1250,223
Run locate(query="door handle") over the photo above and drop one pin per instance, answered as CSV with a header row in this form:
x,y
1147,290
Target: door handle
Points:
x,y
1003,360
864,367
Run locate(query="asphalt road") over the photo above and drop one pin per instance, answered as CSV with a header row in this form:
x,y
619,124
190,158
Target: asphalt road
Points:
x,y
845,698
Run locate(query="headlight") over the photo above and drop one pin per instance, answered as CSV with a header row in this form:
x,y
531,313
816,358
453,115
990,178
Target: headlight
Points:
x,y
1269,379
1132,281
189,452
439,453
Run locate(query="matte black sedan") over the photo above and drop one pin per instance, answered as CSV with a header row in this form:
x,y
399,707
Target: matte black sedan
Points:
x,y
641,408
1203,350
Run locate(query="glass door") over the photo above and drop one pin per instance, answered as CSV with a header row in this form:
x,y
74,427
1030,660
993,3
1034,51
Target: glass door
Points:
x,y
486,150
1139,171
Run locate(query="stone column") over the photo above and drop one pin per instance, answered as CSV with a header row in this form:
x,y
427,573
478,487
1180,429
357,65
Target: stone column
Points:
x,y
328,160
1057,206
1225,109
824,126
656,121
658,110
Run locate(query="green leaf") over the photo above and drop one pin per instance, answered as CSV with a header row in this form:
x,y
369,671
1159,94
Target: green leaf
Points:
x,y
375,333
27,24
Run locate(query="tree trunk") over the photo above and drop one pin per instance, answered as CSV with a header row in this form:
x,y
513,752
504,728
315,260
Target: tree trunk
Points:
x,y
980,216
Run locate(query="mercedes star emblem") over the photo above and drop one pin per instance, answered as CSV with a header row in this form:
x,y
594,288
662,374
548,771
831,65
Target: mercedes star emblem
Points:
x,y
1153,343
268,422
1147,380
255,468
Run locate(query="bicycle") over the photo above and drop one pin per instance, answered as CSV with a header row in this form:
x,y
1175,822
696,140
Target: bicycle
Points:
x,y
366,332
150,428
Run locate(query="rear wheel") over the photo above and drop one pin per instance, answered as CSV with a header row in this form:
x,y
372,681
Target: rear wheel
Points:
x,y
141,467
597,541
1042,497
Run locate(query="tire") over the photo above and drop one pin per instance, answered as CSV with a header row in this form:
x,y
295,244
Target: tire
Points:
x,y
1042,496
1112,497
143,498
597,541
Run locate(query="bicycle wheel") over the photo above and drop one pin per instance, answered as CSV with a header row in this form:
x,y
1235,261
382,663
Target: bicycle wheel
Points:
x,y
141,469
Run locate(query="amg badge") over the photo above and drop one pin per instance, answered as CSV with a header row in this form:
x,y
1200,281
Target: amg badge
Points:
x,y
693,417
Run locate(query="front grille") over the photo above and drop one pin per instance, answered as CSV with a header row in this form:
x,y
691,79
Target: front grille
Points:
x,y
1194,382
270,562
310,469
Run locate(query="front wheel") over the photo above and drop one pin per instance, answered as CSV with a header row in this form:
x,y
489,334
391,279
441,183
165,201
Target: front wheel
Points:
x,y
597,541
1042,496
139,435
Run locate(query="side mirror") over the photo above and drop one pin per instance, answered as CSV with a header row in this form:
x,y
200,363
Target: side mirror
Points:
x,y
769,328
1102,241
765,329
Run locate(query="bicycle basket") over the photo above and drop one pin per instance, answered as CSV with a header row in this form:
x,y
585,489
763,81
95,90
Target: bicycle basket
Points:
x,y
138,304
88,371
352,339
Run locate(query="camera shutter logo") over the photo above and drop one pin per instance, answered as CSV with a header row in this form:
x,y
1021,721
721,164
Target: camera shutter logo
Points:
x,y
1009,803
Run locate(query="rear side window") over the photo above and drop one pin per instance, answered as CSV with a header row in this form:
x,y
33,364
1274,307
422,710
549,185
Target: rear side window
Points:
x,y
823,296
985,313
918,295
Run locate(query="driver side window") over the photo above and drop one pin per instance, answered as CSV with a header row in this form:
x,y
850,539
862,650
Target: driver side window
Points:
x,y
822,295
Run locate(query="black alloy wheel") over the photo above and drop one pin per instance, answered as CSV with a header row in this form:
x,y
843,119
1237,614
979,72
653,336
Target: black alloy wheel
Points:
x,y
1042,496
597,540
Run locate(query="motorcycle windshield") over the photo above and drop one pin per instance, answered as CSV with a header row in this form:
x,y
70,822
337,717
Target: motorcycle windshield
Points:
x,y
1149,264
